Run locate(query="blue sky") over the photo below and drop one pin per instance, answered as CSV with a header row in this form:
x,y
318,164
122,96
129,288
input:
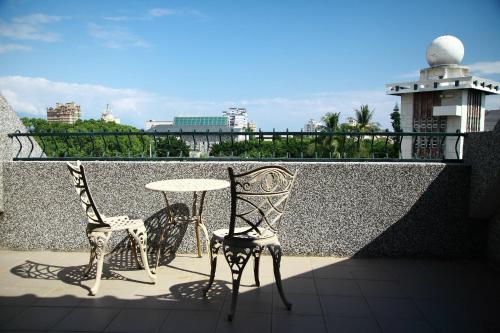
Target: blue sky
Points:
x,y
285,61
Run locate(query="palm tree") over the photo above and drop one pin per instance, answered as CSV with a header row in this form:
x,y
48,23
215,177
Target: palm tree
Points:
x,y
331,120
363,117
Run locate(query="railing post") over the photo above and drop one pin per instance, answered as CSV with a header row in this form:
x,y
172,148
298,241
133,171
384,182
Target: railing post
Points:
x,y
457,144
287,147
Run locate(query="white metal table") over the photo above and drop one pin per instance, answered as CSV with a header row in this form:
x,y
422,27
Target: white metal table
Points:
x,y
199,187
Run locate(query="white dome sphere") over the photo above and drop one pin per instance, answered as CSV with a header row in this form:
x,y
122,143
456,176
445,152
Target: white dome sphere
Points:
x,y
445,50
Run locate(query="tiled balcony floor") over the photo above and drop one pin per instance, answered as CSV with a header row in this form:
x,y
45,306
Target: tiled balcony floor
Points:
x,y
43,291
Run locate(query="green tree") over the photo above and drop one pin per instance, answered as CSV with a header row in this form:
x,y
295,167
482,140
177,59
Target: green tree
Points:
x,y
363,117
396,119
396,125
130,142
331,121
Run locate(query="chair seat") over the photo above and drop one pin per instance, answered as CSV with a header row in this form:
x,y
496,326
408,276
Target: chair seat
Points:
x,y
265,236
122,222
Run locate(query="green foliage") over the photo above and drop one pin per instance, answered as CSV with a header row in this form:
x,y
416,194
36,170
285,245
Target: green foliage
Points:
x,y
396,125
331,120
324,146
363,117
135,144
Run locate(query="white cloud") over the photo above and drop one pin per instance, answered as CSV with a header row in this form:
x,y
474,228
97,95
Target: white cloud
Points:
x,y
485,67
116,37
4,48
156,13
36,19
33,95
30,27
159,12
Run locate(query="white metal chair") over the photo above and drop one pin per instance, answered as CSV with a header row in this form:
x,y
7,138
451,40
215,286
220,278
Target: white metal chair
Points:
x,y
100,227
258,202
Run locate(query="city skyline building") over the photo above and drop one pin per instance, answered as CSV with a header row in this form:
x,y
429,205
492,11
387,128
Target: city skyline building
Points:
x,y
66,113
238,117
199,144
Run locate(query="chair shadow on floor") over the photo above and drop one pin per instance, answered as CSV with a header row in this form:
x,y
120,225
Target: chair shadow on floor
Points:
x,y
190,294
118,259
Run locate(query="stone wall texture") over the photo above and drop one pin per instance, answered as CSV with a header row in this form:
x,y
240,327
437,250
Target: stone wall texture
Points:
x,y
355,209
10,123
482,153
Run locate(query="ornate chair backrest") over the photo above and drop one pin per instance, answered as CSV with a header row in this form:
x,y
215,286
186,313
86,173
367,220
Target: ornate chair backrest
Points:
x,y
258,198
82,189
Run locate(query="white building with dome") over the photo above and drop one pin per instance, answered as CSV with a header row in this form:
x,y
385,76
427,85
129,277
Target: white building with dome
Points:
x,y
446,98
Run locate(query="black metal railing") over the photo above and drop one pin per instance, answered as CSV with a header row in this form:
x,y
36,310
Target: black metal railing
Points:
x,y
270,145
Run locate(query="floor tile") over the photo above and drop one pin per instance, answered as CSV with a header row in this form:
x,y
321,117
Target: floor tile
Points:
x,y
87,319
372,273
381,288
352,325
406,326
333,272
338,287
450,316
287,323
138,320
297,285
302,304
190,321
251,302
8,312
346,295
340,306
399,308
37,318
245,323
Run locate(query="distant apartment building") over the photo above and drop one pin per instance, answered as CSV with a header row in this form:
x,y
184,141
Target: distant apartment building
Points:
x,y
233,120
155,123
491,119
252,126
312,126
208,128
67,113
352,122
238,117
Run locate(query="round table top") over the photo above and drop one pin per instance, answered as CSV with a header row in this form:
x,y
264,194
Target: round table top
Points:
x,y
188,185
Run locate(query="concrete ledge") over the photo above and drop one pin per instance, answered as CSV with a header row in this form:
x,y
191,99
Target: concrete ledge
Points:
x,y
342,209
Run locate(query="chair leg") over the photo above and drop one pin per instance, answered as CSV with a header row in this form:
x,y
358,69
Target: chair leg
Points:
x,y
207,240
133,247
197,238
91,261
275,250
214,249
256,254
140,237
98,241
237,258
